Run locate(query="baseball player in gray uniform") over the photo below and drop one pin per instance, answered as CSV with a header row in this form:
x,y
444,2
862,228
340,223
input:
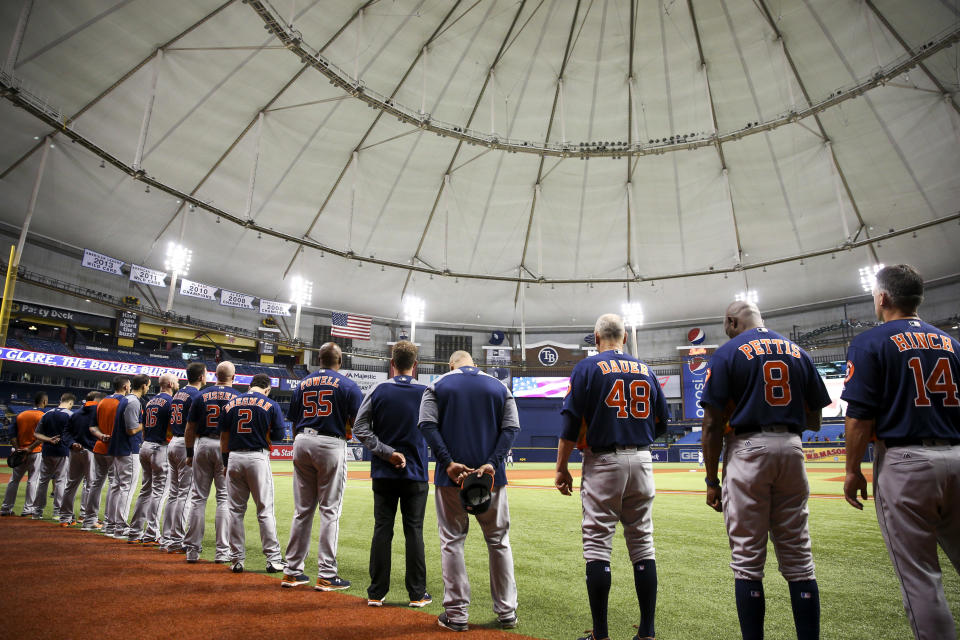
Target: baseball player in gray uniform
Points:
x,y
902,389
469,419
55,453
322,410
613,411
179,473
247,425
768,390
80,440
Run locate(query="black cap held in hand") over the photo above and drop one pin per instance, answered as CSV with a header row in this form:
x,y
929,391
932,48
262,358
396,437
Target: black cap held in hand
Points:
x,y
476,493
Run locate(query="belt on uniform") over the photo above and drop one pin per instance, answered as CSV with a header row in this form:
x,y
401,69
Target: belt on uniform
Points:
x,y
257,450
921,442
769,428
618,447
217,437
313,432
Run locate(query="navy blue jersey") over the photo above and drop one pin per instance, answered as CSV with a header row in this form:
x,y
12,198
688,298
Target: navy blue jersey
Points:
x,y
54,423
325,401
390,413
122,443
207,406
253,420
904,374
180,410
613,400
78,429
156,419
763,379
470,417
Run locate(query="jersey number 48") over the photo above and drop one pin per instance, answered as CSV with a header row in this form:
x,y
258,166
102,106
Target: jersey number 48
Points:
x,y
638,401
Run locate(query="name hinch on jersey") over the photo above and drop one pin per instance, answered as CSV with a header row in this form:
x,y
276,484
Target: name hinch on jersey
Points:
x,y
916,340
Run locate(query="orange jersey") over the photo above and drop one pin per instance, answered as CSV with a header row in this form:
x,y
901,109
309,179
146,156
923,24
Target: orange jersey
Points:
x,y
106,415
27,422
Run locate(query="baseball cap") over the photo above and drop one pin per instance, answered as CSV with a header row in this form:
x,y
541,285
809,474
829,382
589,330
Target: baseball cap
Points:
x,y
475,493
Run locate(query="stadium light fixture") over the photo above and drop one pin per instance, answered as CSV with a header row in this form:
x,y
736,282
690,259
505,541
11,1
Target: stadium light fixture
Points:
x,y
413,310
868,277
633,318
178,264
301,292
747,296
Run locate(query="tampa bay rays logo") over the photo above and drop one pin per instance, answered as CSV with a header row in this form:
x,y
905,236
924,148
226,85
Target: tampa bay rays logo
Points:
x,y
548,356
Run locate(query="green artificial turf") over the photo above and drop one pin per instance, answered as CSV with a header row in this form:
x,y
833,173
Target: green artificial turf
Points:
x,y
860,596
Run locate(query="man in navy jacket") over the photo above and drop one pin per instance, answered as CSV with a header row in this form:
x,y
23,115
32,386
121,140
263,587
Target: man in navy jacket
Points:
x,y
78,438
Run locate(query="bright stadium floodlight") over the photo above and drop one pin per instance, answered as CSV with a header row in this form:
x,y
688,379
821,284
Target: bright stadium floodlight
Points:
x,y
868,277
633,318
747,296
301,293
178,264
413,310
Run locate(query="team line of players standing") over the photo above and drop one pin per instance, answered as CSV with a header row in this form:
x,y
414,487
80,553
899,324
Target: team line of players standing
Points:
x,y
761,392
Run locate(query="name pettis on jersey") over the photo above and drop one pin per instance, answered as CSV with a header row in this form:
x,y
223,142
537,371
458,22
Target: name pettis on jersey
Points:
x,y
328,381
246,402
916,340
769,346
622,366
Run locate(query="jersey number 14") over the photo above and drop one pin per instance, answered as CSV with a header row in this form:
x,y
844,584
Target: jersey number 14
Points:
x,y
638,401
939,381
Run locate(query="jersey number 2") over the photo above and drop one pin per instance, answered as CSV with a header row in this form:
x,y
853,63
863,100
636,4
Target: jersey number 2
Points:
x,y
244,416
940,381
638,402
776,383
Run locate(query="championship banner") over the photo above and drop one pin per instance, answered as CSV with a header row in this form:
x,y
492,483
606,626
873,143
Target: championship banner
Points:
x,y
274,308
197,290
234,299
108,366
100,262
147,276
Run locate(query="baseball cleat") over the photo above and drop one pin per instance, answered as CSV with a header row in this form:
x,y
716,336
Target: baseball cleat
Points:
x,y
192,558
508,623
275,567
134,541
289,581
333,584
150,543
374,602
446,623
36,517
221,561
237,567
6,513
423,601
590,636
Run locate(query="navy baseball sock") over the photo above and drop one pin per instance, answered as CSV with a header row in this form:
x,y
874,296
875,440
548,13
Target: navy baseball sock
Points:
x,y
645,580
805,598
751,607
598,591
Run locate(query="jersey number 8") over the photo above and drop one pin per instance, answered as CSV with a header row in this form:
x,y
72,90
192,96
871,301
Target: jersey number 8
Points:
x,y
776,383
638,402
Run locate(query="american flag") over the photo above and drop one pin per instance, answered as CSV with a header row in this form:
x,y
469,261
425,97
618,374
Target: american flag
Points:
x,y
349,325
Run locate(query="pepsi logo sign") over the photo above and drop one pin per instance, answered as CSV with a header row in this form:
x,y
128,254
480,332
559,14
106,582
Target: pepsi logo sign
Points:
x,y
548,356
696,336
697,365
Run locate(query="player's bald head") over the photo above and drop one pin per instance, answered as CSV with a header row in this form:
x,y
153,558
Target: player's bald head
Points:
x,y
330,355
460,359
740,316
610,330
168,381
226,371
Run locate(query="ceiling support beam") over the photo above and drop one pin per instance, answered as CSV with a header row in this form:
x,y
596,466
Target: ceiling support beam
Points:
x,y
536,184
258,6
633,34
823,132
103,94
445,180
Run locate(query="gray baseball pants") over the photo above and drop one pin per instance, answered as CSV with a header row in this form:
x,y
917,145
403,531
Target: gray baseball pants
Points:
x,y
917,494
30,468
124,470
179,484
765,493
319,475
207,470
249,475
153,466
102,470
51,468
618,487
80,469
453,523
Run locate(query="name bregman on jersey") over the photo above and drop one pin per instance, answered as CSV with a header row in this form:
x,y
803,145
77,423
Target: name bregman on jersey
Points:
x,y
246,401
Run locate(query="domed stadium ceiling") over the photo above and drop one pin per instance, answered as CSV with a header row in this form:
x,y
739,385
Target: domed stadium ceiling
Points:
x,y
558,156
